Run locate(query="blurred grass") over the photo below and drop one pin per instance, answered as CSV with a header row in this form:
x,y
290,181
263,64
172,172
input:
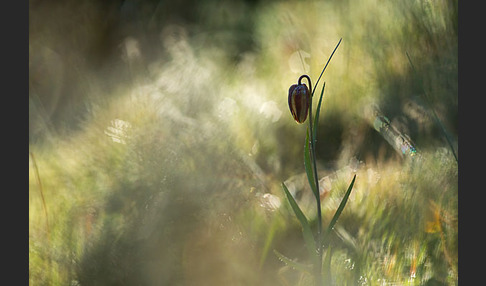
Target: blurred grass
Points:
x,y
163,166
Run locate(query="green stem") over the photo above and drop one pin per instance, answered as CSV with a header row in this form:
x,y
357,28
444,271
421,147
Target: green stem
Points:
x,y
318,266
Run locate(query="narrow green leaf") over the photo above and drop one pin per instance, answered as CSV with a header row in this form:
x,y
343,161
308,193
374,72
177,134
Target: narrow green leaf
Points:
x,y
341,207
296,265
316,121
328,60
306,230
308,166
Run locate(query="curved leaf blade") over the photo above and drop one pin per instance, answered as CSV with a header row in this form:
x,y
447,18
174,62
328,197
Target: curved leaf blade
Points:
x,y
306,230
341,207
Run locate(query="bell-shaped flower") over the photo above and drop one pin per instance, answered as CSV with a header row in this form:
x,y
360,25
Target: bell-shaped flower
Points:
x,y
299,101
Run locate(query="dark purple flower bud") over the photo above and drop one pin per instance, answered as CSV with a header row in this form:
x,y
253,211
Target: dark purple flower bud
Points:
x,y
299,101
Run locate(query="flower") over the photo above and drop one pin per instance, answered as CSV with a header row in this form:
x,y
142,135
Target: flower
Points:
x,y
299,101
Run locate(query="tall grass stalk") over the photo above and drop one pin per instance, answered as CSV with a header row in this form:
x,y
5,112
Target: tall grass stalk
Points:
x,y
436,118
41,193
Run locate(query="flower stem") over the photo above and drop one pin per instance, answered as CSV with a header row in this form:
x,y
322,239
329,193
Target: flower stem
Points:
x,y
318,265
318,201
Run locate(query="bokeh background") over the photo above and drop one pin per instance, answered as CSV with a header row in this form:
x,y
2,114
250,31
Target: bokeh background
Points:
x,y
159,135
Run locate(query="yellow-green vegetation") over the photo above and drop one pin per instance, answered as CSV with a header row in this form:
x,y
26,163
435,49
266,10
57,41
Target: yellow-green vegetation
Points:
x,y
167,168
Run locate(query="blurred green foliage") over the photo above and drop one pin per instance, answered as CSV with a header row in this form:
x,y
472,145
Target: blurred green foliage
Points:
x,y
161,133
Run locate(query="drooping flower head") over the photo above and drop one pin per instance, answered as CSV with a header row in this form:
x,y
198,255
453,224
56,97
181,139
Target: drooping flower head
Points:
x,y
299,101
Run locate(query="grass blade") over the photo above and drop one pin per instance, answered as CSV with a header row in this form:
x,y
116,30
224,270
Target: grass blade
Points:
x,y
328,60
41,194
306,230
436,118
268,241
316,121
308,166
341,207
296,265
326,266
